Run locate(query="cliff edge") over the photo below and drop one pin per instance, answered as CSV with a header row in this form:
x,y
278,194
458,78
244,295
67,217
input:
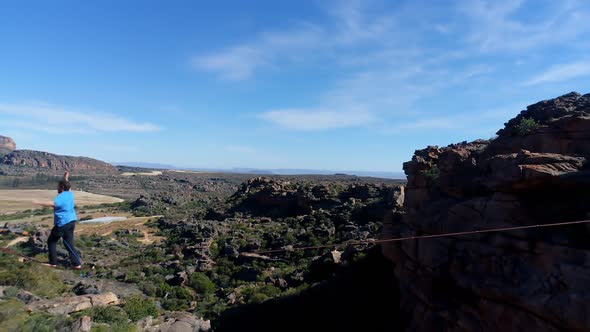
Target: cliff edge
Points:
x,y
535,172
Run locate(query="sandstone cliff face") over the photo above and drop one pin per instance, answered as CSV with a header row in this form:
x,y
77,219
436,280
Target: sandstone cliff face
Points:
x,y
7,145
27,159
535,280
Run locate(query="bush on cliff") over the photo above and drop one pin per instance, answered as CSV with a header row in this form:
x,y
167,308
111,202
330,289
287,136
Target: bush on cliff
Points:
x,y
526,126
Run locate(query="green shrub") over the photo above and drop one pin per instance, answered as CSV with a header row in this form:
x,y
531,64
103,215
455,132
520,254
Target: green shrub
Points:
x,y
289,238
12,315
261,294
115,318
108,315
11,292
138,308
201,283
148,289
118,327
432,173
258,298
34,278
526,126
175,304
182,293
43,322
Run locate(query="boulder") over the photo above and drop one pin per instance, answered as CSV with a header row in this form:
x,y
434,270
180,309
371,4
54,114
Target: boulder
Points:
x,y
83,288
82,324
68,305
175,322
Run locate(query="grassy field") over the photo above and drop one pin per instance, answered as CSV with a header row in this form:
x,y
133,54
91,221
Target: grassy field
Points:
x,y
12,201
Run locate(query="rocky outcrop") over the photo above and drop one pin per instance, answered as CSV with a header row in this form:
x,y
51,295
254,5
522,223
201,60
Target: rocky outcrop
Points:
x,y
196,237
535,172
174,322
7,145
44,161
22,295
264,196
275,198
68,305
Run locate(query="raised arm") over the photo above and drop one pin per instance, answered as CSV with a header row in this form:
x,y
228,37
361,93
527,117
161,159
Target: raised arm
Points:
x,y
45,204
67,176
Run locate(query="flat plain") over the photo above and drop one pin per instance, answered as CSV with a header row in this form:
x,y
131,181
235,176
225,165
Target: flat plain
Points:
x,y
12,201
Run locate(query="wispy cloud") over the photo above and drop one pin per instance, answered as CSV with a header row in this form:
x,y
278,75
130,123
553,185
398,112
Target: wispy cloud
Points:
x,y
560,73
240,62
237,63
317,119
303,41
55,120
460,121
392,60
495,24
442,28
440,123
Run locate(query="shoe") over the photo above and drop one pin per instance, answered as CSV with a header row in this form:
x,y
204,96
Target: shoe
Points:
x,y
78,267
49,265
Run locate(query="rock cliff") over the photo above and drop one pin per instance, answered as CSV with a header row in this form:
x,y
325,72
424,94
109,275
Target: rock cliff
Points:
x,y
36,160
535,172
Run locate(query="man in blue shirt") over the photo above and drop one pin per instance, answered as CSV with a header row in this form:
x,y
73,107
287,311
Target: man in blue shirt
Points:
x,y
64,223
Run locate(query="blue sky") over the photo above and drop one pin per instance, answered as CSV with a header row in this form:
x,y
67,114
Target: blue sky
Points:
x,y
341,85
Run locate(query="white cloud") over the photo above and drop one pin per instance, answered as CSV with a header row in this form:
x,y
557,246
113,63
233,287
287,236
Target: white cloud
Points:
x,y
561,73
317,119
54,119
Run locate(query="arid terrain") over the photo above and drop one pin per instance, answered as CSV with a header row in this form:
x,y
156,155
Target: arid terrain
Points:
x,y
186,241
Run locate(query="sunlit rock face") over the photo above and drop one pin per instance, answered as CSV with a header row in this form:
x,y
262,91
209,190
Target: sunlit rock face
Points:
x,y
7,145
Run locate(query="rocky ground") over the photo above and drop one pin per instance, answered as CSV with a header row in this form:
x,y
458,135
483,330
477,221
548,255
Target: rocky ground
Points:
x,y
205,261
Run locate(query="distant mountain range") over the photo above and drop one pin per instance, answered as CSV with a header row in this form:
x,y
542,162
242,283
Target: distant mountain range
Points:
x,y
280,171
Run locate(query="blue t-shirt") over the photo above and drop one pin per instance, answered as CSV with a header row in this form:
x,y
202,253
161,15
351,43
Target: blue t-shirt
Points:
x,y
64,209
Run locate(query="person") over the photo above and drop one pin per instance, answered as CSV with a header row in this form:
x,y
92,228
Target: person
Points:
x,y
64,223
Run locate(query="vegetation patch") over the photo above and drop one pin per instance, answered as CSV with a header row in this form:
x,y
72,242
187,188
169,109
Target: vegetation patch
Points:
x,y
138,307
526,126
37,279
